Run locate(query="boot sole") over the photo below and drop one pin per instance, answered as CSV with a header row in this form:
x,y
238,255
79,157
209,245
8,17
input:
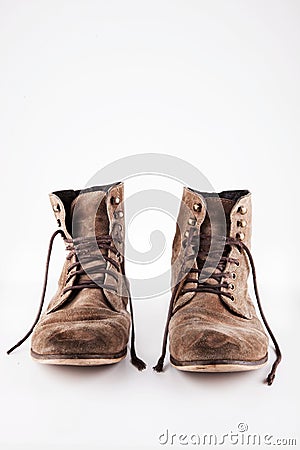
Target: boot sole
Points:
x,y
218,365
78,360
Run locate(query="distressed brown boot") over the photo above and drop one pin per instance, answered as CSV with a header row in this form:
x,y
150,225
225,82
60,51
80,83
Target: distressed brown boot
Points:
x,y
87,322
212,321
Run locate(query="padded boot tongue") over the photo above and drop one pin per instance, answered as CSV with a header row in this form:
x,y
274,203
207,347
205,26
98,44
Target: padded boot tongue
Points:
x,y
89,215
216,223
217,219
89,219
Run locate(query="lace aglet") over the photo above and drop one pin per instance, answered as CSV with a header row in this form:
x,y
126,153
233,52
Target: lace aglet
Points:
x,y
137,362
160,365
270,378
11,350
16,346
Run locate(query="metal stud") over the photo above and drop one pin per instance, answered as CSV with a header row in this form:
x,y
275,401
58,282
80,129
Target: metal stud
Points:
x,y
242,223
121,214
242,210
197,207
240,236
192,222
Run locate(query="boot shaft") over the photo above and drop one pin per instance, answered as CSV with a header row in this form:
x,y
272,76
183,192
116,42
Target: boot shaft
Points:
x,y
87,215
89,212
210,219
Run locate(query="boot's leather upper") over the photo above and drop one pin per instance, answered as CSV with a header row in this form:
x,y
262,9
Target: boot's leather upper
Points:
x,y
91,320
218,322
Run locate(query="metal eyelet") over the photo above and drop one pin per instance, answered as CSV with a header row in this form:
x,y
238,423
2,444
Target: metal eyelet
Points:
x,y
59,222
119,256
118,226
192,222
240,236
231,286
242,223
242,210
233,275
197,207
115,200
118,215
186,234
56,208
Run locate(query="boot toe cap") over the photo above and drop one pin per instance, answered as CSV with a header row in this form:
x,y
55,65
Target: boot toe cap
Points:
x,y
102,337
217,343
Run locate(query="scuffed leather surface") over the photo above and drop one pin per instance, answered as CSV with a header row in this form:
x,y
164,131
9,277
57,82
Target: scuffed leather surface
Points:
x,y
88,321
117,231
180,253
81,330
207,328
240,306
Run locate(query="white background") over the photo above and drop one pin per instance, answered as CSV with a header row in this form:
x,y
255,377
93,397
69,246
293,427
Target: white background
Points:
x,y
83,83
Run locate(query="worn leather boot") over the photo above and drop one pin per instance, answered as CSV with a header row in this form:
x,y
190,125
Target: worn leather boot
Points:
x,y
212,322
87,322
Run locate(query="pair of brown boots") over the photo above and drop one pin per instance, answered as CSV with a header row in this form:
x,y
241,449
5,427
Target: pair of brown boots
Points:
x,y
212,324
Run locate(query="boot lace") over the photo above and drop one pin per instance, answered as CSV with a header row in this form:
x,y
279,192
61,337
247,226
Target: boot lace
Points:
x,y
216,289
81,248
